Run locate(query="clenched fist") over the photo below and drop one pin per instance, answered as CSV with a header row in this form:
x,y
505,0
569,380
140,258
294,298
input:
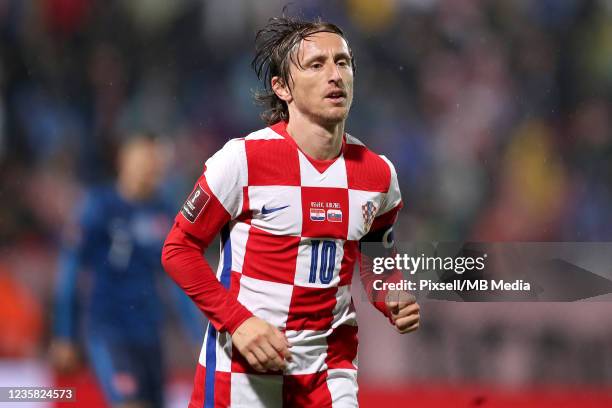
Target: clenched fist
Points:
x,y
404,310
263,345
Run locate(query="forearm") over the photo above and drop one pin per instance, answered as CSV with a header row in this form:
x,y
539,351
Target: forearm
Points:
x,y
183,260
368,277
64,324
379,242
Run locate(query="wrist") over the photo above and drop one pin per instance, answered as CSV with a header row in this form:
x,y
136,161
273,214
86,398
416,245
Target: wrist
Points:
x,y
237,320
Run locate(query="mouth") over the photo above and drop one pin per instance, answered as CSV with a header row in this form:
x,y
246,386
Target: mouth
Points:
x,y
336,96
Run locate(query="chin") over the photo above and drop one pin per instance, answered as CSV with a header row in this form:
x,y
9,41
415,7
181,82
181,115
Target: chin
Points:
x,y
334,117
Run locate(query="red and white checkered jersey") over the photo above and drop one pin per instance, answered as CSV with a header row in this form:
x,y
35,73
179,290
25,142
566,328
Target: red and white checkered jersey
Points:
x,y
290,238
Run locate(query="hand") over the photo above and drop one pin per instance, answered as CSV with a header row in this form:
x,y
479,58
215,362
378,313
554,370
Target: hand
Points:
x,y
263,345
404,310
64,356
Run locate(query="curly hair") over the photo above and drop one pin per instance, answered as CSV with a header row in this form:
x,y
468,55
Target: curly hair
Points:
x,y
274,52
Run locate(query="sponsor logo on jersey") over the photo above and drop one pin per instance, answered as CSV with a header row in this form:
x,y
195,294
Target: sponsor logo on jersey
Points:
x,y
195,204
265,210
317,214
334,215
368,211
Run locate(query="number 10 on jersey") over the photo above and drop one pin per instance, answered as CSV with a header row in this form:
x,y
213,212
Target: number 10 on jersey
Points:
x,y
322,261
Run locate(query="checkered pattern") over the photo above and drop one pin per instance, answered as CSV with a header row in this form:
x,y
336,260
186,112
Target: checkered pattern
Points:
x,y
289,258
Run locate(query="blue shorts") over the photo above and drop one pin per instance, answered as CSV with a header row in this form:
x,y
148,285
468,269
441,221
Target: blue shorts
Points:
x,y
127,371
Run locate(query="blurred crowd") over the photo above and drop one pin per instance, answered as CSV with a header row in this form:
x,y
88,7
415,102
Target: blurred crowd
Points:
x,y
497,115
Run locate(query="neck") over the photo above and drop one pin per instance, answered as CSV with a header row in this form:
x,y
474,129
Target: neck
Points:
x,y
321,142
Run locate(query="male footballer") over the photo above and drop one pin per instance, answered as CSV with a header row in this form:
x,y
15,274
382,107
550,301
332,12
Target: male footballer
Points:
x,y
108,296
293,202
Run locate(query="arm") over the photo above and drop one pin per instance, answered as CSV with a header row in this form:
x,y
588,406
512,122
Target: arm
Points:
x,y
66,309
215,201
399,307
64,351
378,243
183,260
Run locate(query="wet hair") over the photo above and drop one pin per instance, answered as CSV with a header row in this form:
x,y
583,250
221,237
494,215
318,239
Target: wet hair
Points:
x,y
275,47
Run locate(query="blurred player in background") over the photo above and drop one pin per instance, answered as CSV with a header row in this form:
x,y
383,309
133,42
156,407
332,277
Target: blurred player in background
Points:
x,y
117,236
292,201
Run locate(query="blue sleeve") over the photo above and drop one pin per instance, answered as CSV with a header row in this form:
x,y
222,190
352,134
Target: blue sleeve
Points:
x,y
72,260
66,304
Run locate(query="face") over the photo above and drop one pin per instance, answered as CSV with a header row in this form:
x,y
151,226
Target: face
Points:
x,y
141,167
321,85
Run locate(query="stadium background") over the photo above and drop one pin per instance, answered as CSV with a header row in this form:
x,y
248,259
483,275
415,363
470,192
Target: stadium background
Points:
x,y
495,113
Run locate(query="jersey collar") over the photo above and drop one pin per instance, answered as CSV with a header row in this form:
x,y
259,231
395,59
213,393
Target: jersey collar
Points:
x,y
320,165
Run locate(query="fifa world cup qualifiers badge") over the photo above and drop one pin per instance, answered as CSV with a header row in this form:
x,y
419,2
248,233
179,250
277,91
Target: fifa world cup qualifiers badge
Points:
x,y
195,204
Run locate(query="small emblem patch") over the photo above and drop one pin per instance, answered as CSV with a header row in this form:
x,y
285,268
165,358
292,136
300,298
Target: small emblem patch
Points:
x,y
334,215
195,204
368,211
317,214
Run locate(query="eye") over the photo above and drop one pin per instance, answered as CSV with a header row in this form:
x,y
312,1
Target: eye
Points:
x,y
316,65
343,63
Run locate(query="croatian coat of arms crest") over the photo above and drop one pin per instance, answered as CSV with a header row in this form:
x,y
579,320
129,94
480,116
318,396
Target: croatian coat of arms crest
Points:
x,y
369,212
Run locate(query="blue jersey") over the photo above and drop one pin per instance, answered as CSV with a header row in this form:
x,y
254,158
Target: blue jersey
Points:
x,y
119,243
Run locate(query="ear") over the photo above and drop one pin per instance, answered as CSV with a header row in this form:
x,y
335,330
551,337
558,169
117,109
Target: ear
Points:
x,y
281,89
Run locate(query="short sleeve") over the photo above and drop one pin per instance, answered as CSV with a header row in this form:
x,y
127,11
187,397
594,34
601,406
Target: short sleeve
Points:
x,y
226,175
392,202
217,196
393,198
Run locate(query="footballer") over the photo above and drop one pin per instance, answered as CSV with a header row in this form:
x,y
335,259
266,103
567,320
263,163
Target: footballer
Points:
x,y
292,203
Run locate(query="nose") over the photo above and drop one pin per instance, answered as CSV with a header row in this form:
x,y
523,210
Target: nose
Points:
x,y
334,75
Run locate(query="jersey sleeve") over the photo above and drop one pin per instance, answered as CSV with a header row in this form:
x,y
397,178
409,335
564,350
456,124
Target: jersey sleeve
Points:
x,y
392,202
215,200
379,242
74,252
217,195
